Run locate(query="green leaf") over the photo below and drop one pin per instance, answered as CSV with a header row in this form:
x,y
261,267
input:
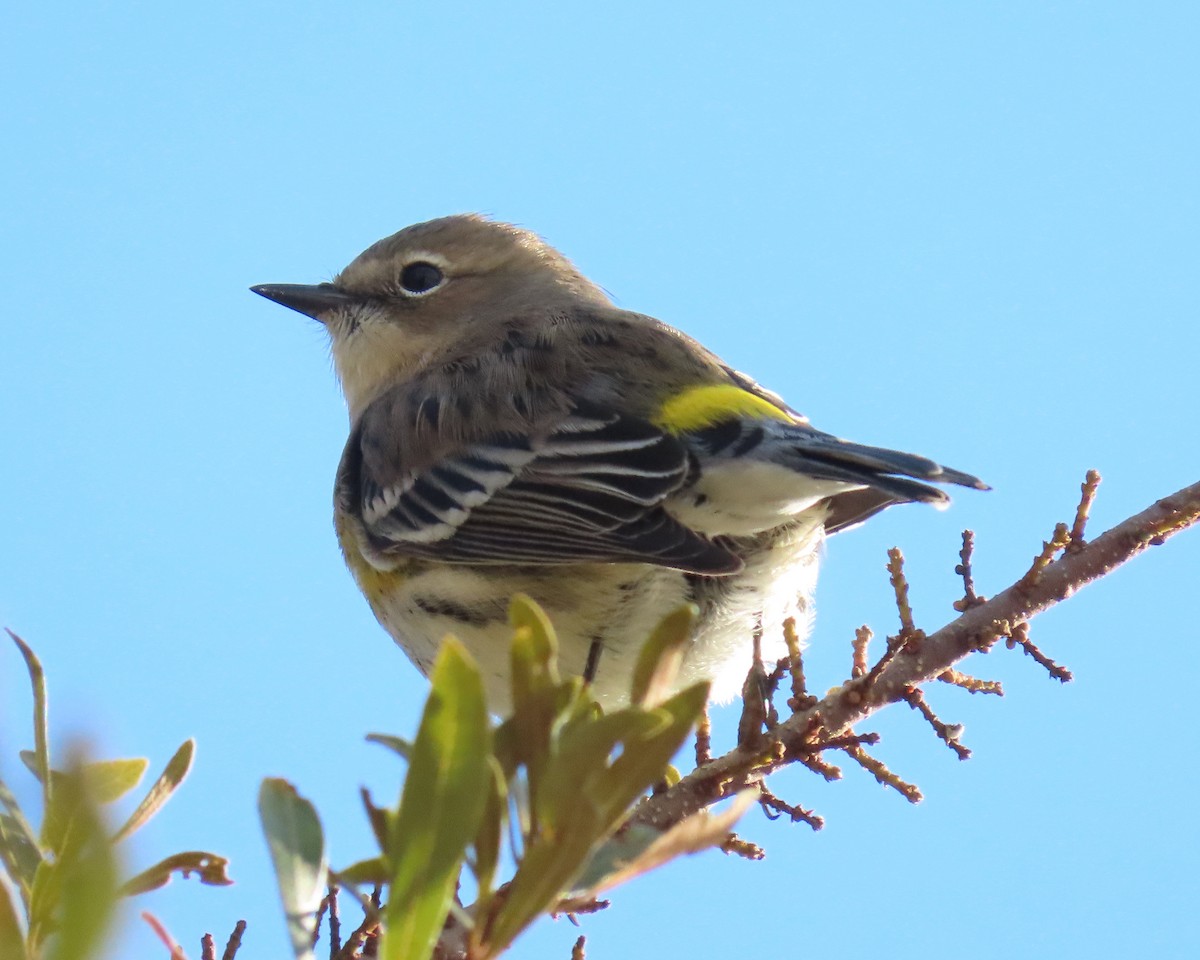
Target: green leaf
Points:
x,y
45,893
642,762
440,806
12,941
19,851
586,795
372,871
108,780
641,848
85,881
41,724
168,781
581,756
546,869
537,697
397,745
491,830
210,869
297,846
525,616
661,656
380,818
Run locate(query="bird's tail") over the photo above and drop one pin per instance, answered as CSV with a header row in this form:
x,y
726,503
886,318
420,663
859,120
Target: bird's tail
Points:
x,y
903,476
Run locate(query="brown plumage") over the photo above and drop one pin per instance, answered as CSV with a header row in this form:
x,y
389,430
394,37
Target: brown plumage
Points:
x,y
512,430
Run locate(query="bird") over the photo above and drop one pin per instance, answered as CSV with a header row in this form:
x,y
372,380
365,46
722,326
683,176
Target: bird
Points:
x,y
513,431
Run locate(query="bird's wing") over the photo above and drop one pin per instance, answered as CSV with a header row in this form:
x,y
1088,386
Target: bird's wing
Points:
x,y
586,486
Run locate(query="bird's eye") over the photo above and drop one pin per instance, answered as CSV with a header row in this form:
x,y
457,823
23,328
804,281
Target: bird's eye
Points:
x,y
420,277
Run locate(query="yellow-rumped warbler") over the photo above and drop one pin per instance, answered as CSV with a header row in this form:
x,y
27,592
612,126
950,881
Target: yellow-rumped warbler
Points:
x,y
513,431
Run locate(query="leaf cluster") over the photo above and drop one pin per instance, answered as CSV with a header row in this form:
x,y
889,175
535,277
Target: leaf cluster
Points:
x,y
64,880
547,790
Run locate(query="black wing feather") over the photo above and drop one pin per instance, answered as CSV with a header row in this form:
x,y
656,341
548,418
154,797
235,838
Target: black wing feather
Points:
x,y
591,490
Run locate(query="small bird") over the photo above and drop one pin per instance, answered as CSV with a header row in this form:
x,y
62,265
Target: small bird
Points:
x,y
511,430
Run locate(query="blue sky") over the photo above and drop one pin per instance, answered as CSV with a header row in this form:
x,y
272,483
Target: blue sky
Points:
x,y
966,230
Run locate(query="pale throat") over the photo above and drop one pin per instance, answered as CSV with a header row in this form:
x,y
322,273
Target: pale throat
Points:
x,y
374,358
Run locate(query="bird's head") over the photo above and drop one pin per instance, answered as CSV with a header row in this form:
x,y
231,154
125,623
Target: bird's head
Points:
x,y
412,296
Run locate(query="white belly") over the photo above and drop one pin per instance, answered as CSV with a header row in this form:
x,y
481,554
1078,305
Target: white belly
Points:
x,y
618,604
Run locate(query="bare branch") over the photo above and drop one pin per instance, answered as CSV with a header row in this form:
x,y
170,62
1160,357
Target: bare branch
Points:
x,y
742,848
978,628
703,739
878,769
970,597
862,640
1089,488
972,684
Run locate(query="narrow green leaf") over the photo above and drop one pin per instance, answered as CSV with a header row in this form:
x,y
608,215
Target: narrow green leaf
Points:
x,y
373,871
661,657
398,745
86,873
19,851
537,697
545,871
524,614
168,781
586,797
12,940
643,762
297,846
380,818
573,823
491,830
109,780
639,848
440,806
582,753
41,724
30,759
209,868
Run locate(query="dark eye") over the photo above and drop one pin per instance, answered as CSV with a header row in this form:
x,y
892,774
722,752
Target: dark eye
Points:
x,y
420,277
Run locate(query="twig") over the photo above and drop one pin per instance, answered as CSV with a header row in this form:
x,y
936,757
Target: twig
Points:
x,y
754,705
774,807
1019,636
742,848
321,908
948,733
1057,542
862,639
971,684
878,769
909,636
970,598
703,738
174,949
976,628
1088,490
234,943
844,740
800,699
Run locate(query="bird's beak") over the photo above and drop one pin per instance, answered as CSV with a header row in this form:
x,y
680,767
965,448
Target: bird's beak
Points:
x,y
311,299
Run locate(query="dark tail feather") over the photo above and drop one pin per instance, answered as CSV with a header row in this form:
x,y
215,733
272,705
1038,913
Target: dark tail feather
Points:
x,y
893,472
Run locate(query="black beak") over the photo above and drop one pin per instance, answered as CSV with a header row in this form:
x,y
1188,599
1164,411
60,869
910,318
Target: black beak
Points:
x,y
311,299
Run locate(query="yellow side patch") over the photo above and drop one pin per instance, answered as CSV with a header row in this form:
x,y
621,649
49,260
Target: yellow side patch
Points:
x,y
705,406
376,585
